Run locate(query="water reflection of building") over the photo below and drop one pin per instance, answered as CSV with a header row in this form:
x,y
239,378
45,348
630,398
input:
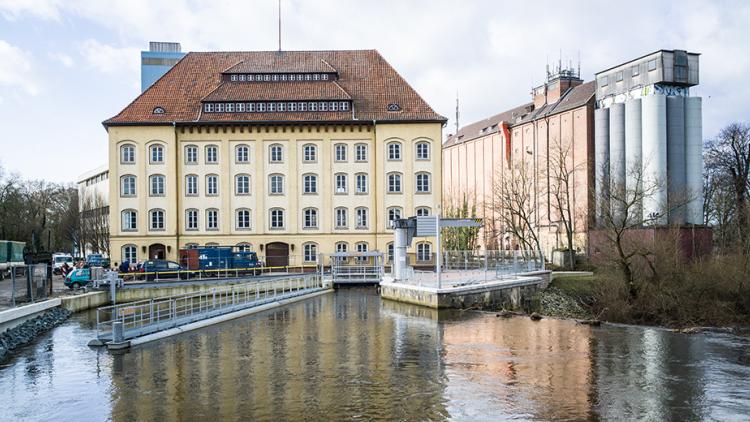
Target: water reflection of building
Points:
x,y
328,358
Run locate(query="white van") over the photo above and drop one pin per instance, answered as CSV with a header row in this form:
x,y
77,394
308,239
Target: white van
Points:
x,y
58,259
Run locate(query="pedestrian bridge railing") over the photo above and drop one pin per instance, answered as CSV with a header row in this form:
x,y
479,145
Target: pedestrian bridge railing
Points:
x,y
153,315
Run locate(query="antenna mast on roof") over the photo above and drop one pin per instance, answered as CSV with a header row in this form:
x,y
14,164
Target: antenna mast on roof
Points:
x,y
457,114
279,25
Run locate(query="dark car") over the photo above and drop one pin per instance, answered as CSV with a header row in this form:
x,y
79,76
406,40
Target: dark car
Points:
x,y
160,268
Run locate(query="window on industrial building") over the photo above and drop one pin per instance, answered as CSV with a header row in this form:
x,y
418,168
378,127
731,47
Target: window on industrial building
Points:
x,y
394,182
242,218
423,150
242,184
191,154
129,253
212,154
275,153
635,71
212,185
394,213
394,151
361,213
212,219
361,182
156,155
651,65
129,220
277,218
156,183
309,153
360,153
340,153
618,76
341,184
276,184
310,184
242,154
191,185
341,218
310,218
424,251
191,219
127,185
603,81
423,182
423,211
156,220
127,154
310,251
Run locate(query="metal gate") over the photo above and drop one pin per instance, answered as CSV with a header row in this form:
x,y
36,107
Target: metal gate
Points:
x,y
357,267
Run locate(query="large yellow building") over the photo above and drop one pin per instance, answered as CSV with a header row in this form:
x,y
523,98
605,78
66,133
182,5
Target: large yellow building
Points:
x,y
289,153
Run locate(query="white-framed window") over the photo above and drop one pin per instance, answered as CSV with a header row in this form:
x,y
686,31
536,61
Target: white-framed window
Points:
x,y
310,218
191,154
242,219
334,106
342,247
129,220
423,150
344,105
212,154
394,213
129,253
156,185
261,107
244,247
242,184
423,211
313,106
361,183
230,107
341,183
389,252
424,251
191,219
635,71
127,185
323,106
604,80
212,185
156,154
394,151
275,153
191,185
127,154
651,65
309,153
324,76
250,107
276,184
292,106
342,218
362,221
361,247
271,107
208,107
310,252
360,153
340,153
394,182
212,219
277,218
310,184
423,182
156,219
242,154
240,107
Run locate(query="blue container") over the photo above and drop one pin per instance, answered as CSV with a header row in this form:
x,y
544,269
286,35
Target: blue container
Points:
x,y
214,258
94,260
246,259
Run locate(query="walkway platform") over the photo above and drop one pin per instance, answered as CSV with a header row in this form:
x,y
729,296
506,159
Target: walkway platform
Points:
x,y
508,292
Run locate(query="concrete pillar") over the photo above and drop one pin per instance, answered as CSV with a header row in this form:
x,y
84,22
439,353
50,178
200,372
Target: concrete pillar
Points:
x,y
654,121
694,158
399,253
601,161
676,164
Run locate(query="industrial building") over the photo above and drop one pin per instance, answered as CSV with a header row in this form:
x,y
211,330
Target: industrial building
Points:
x,y
636,123
288,153
157,61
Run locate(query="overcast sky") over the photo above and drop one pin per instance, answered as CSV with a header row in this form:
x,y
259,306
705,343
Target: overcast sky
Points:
x,y
67,65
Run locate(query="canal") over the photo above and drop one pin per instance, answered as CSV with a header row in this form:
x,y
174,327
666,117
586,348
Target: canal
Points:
x,y
351,355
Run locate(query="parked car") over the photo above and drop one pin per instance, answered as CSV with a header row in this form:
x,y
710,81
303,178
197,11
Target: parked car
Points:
x,y
154,267
78,277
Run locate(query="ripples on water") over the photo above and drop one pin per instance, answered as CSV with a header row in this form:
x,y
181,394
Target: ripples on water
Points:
x,y
349,355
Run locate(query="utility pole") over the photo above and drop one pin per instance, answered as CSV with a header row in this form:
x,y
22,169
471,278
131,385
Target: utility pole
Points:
x,y
457,113
279,25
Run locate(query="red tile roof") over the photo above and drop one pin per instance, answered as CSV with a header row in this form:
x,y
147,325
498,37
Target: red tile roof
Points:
x,y
282,91
364,75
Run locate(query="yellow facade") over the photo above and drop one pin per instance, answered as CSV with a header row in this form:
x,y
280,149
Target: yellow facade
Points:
x,y
258,139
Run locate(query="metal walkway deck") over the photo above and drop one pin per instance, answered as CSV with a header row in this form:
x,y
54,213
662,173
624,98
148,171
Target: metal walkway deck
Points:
x,y
150,316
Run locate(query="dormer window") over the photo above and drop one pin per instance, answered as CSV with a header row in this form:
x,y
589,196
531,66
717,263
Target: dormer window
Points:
x,y
275,106
158,110
394,107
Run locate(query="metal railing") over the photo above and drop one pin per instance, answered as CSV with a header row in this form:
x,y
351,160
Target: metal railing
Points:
x,y
153,315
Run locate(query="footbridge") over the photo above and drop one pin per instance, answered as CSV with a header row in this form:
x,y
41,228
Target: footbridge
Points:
x,y
117,326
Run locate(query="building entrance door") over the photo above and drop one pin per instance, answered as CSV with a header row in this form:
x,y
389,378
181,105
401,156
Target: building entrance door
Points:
x,y
157,251
277,254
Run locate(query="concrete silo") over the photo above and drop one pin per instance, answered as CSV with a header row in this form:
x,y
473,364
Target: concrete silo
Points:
x,y
694,159
601,161
676,160
633,152
654,147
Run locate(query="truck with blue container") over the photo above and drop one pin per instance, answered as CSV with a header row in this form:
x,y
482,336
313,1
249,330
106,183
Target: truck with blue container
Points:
x,y
220,258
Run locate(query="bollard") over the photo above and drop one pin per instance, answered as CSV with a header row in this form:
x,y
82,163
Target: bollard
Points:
x,y
117,336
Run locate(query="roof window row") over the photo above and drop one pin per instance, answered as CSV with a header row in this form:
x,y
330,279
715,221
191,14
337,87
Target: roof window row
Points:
x,y
276,106
280,77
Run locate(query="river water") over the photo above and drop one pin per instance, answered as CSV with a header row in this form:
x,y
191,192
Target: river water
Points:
x,y
350,355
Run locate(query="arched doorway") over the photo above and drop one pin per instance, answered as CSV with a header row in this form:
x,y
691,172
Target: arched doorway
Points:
x,y
277,254
157,251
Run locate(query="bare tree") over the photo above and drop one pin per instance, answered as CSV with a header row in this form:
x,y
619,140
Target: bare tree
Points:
x,y
515,207
94,220
461,238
